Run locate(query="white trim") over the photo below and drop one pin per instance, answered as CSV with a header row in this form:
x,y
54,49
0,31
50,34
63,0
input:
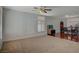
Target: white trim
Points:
x,y
27,36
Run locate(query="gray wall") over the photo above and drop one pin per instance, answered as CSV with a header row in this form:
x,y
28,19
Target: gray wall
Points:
x,y
55,21
19,24
0,27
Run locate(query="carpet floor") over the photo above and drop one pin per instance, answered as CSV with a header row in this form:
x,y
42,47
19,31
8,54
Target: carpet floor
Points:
x,y
47,44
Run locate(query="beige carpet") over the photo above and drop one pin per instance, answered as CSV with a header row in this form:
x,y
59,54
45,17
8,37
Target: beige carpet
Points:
x,y
46,44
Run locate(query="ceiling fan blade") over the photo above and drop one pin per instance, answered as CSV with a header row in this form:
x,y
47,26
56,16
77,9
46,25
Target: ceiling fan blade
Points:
x,y
45,11
35,7
38,11
48,9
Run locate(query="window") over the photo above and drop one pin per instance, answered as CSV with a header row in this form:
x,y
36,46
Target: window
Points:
x,y
72,21
41,24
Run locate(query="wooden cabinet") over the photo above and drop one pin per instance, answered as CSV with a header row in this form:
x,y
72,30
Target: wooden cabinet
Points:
x,y
51,32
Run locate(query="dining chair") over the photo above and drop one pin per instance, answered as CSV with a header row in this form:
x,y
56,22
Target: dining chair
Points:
x,y
75,33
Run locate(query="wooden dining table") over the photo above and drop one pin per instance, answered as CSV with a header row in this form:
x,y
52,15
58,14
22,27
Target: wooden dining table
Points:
x,y
71,33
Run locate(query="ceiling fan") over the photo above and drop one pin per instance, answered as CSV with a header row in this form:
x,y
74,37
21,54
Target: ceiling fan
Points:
x,y
42,9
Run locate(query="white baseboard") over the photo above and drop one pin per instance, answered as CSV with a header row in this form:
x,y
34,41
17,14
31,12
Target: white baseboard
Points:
x,y
23,37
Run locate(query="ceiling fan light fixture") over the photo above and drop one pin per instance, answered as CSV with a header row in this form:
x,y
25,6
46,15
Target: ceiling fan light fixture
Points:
x,y
40,12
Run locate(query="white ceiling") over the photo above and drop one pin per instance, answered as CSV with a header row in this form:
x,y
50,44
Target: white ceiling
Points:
x,y
56,10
